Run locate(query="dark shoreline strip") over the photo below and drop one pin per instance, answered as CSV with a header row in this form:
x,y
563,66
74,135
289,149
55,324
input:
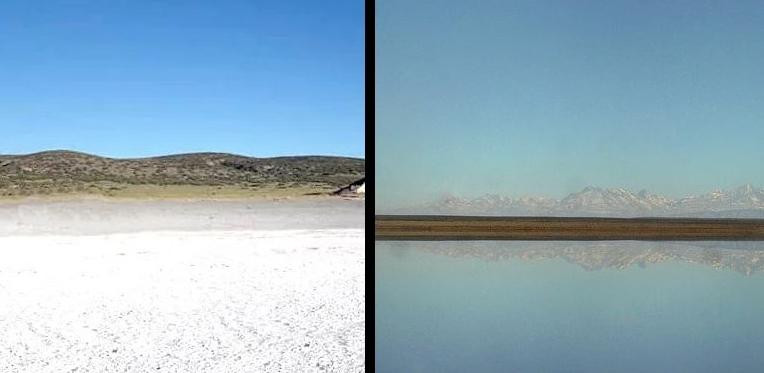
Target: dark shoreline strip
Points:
x,y
453,228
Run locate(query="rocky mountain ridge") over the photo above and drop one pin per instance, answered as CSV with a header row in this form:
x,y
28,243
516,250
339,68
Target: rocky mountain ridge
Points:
x,y
617,202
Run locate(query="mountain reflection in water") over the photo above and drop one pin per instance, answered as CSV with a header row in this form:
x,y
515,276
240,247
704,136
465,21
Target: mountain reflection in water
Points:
x,y
547,306
744,257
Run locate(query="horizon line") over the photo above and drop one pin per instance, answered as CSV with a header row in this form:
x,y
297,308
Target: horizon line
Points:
x,y
176,154
578,228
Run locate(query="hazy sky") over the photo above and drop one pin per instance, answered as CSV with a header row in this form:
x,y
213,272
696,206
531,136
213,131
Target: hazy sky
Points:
x,y
547,97
133,78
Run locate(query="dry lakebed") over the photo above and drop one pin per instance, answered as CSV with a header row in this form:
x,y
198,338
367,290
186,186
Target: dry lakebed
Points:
x,y
182,286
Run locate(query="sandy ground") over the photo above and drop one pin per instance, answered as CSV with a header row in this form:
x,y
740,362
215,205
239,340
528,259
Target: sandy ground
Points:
x,y
98,216
81,296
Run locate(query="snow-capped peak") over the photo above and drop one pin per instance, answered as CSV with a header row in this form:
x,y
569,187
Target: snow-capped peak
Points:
x,y
593,200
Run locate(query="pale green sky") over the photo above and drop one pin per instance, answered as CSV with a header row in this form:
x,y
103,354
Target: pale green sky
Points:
x,y
547,97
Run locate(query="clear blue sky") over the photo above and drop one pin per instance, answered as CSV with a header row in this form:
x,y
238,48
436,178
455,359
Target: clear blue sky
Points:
x,y
547,97
136,78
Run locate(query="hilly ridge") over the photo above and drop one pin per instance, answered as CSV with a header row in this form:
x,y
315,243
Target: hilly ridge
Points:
x,y
67,172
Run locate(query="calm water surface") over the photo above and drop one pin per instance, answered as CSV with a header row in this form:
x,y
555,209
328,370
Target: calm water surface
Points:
x,y
569,307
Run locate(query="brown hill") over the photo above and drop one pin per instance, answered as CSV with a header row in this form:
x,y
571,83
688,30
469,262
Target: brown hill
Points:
x,y
65,172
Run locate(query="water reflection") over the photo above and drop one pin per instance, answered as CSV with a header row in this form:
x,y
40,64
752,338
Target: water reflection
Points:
x,y
568,306
743,257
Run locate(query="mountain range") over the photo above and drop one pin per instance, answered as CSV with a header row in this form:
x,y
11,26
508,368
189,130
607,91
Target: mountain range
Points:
x,y
746,201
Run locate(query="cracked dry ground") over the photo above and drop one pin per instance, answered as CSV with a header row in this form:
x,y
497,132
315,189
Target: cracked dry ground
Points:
x,y
210,301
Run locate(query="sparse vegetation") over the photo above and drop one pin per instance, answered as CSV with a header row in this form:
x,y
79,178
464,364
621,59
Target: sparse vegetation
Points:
x,y
184,175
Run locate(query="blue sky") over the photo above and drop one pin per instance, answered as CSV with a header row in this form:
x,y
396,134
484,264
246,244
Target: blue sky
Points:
x,y
137,78
547,97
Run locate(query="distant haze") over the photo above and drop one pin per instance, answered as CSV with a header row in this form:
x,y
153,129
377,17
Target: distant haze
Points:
x,y
544,98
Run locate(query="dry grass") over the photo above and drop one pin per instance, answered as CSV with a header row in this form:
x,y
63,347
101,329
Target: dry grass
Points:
x,y
127,191
435,228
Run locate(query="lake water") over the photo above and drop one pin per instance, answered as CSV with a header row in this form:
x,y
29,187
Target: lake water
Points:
x,y
569,307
